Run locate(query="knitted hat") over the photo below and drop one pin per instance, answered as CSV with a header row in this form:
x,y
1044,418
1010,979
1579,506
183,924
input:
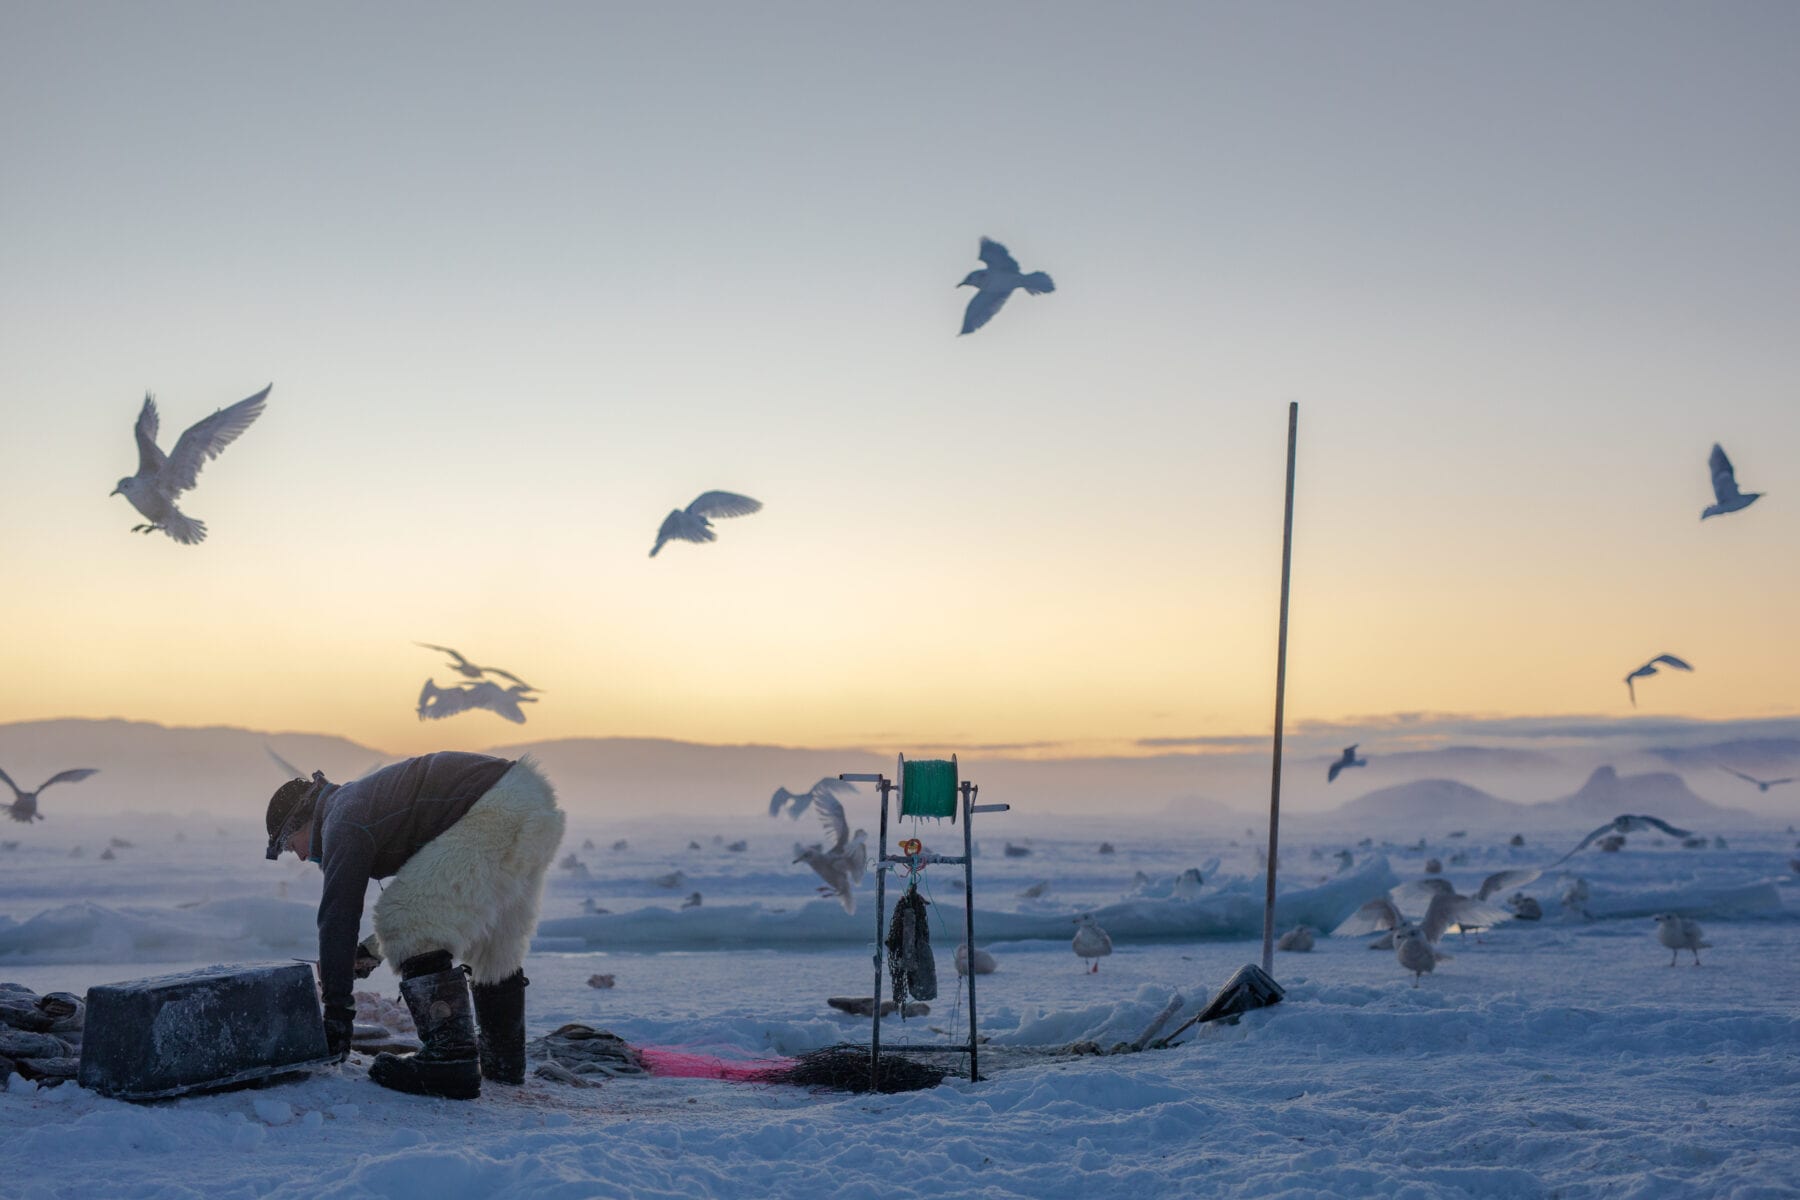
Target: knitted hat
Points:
x,y
289,808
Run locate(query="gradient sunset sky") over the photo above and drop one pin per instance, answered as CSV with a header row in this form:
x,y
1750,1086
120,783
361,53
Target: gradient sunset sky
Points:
x,y
527,277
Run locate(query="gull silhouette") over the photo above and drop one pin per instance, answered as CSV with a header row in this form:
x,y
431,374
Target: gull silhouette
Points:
x,y
24,805
799,802
1349,760
995,283
436,703
1649,669
1623,824
842,864
160,478
1726,497
469,670
690,524
1762,785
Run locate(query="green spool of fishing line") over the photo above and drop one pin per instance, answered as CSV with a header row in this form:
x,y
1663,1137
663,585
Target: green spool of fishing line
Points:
x,y
928,788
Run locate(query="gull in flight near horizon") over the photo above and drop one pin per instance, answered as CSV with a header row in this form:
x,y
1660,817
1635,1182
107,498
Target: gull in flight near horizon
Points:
x,y
997,281
843,864
436,703
1649,669
1726,497
25,804
469,670
1762,785
801,801
162,477
691,524
1622,824
1348,760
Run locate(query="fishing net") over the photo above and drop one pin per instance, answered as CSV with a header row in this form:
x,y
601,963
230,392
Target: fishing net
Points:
x,y
846,1069
911,966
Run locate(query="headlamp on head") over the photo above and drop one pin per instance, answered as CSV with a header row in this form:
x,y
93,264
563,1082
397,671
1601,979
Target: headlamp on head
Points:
x,y
291,807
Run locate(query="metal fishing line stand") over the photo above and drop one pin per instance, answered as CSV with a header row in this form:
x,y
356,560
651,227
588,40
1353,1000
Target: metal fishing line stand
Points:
x,y
964,799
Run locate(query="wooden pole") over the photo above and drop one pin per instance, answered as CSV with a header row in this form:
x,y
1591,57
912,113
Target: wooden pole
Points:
x,y
1287,555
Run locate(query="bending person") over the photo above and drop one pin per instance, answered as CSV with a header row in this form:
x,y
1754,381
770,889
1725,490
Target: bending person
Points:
x,y
467,839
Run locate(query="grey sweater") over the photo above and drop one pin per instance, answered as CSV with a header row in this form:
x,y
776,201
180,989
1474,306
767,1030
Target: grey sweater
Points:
x,y
368,829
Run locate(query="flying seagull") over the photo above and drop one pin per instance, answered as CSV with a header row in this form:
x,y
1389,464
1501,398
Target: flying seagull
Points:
x,y
469,670
1623,824
1726,497
995,283
690,524
160,478
1648,669
798,802
436,703
1762,785
24,805
1349,760
842,864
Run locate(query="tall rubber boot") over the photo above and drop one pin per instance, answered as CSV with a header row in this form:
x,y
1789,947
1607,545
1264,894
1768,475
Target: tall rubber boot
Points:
x,y
437,993
500,1015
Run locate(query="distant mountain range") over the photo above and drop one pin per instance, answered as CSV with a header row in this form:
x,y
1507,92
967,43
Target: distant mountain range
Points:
x,y
223,770
1444,804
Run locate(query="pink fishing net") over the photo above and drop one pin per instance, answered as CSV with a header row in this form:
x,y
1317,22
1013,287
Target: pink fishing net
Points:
x,y
681,1064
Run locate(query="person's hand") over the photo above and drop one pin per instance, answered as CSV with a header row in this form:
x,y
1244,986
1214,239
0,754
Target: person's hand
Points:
x,y
368,957
340,1026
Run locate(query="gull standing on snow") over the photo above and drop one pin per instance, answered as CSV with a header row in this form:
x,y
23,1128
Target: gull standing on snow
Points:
x,y
995,283
842,864
1762,785
1348,760
1678,934
1726,497
1415,952
160,478
1623,824
1091,943
690,524
1649,669
799,802
24,805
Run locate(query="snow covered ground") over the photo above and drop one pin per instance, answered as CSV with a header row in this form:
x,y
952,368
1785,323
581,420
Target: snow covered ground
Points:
x,y
1556,1058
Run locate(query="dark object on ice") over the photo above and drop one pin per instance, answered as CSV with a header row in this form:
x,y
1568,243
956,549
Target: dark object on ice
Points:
x,y
437,994
1525,908
845,1068
1249,987
1613,843
587,1052
911,966
864,1006
555,1072
1433,867
601,981
54,1012
202,1030
1013,851
1106,848
17,1044
1694,843
738,847
1518,839
48,1070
